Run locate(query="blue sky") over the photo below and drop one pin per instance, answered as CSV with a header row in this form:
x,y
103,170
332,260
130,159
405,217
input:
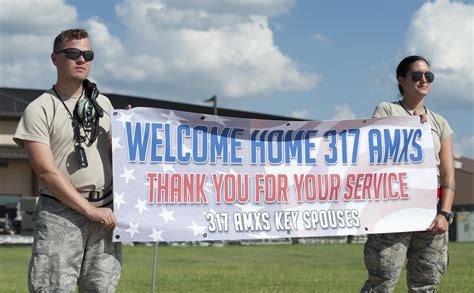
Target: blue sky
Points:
x,y
317,60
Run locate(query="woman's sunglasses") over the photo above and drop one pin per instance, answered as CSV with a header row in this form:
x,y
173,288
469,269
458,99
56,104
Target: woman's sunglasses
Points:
x,y
74,54
416,76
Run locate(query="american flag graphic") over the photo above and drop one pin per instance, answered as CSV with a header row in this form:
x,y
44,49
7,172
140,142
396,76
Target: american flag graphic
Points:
x,y
280,212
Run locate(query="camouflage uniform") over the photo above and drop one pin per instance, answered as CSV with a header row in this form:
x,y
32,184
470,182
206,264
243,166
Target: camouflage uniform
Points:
x,y
427,254
427,260
70,250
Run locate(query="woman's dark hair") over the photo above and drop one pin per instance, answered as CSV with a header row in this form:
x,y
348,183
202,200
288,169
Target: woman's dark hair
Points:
x,y
404,67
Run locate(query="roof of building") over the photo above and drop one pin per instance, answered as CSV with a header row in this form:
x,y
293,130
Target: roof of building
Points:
x,y
14,101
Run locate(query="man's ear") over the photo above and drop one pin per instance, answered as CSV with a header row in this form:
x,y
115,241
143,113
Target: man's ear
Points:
x,y
54,58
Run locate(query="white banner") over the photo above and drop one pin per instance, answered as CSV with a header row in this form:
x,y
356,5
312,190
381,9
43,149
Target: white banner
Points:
x,y
181,176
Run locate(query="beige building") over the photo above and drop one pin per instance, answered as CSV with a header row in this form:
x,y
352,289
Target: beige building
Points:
x,y
17,178
464,199
13,161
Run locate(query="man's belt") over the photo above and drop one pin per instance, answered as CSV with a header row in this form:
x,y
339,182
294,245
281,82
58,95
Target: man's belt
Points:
x,y
97,198
97,195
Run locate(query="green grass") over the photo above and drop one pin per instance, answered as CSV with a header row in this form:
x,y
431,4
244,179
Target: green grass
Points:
x,y
233,268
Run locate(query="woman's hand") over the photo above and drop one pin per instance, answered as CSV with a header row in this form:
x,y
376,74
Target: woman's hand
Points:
x,y
423,117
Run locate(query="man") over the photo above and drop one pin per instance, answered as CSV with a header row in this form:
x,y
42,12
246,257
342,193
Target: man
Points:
x,y
66,134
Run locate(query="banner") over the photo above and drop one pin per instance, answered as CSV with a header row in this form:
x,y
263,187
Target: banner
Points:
x,y
181,176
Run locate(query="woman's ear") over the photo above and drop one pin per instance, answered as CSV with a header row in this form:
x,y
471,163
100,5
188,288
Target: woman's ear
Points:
x,y
401,80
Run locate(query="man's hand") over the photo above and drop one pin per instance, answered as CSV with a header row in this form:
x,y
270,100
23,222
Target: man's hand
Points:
x,y
104,216
439,225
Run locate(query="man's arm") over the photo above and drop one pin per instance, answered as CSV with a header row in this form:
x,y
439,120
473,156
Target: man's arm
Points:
x,y
61,187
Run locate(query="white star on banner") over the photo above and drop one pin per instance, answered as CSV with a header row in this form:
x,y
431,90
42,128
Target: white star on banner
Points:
x,y
185,149
212,118
172,118
248,207
156,235
115,143
197,229
125,118
231,171
212,211
209,187
167,215
132,229
141,205
167,167
118,200
127,174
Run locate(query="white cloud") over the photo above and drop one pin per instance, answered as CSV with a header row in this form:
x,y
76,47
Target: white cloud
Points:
x,y
168,49
343,112
382,77
464,146
27,31
443,31
277,26
301,114
243,7
321,38
35,17
203,47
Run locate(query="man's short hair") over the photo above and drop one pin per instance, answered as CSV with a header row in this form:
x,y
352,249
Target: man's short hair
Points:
x,y
67,35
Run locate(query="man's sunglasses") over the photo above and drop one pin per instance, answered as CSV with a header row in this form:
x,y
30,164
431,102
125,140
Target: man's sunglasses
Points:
x,y
416,76
74,54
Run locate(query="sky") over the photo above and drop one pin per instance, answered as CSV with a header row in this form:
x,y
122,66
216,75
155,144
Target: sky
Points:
x,y
310,59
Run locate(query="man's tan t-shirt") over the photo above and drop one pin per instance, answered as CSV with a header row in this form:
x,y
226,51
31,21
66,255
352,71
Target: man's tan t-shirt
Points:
x,y
440,128
47,121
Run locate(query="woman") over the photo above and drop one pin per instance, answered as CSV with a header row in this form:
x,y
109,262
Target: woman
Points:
x,y
426,251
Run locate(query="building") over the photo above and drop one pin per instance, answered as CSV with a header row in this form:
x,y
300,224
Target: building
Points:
x,y
463,227
464,200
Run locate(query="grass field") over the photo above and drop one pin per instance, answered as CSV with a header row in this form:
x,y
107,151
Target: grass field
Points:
x,y
234,268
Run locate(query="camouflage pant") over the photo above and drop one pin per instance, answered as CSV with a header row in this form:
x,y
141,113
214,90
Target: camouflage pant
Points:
x,y
384,255
69,250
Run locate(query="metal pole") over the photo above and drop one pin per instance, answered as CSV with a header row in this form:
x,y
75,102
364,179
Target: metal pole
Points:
x,y
213,99
155,253
215,105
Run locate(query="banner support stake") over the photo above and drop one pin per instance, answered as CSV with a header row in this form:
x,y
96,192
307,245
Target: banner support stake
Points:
x,y
155,253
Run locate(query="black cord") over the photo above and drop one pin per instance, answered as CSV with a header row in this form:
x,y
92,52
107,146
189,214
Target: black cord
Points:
x,y
403,106
89,126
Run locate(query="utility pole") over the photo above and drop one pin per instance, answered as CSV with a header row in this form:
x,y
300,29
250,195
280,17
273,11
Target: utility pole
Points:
x,y
213,99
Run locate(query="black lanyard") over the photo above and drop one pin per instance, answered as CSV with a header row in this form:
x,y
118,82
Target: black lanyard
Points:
x,y
78,149
67,109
